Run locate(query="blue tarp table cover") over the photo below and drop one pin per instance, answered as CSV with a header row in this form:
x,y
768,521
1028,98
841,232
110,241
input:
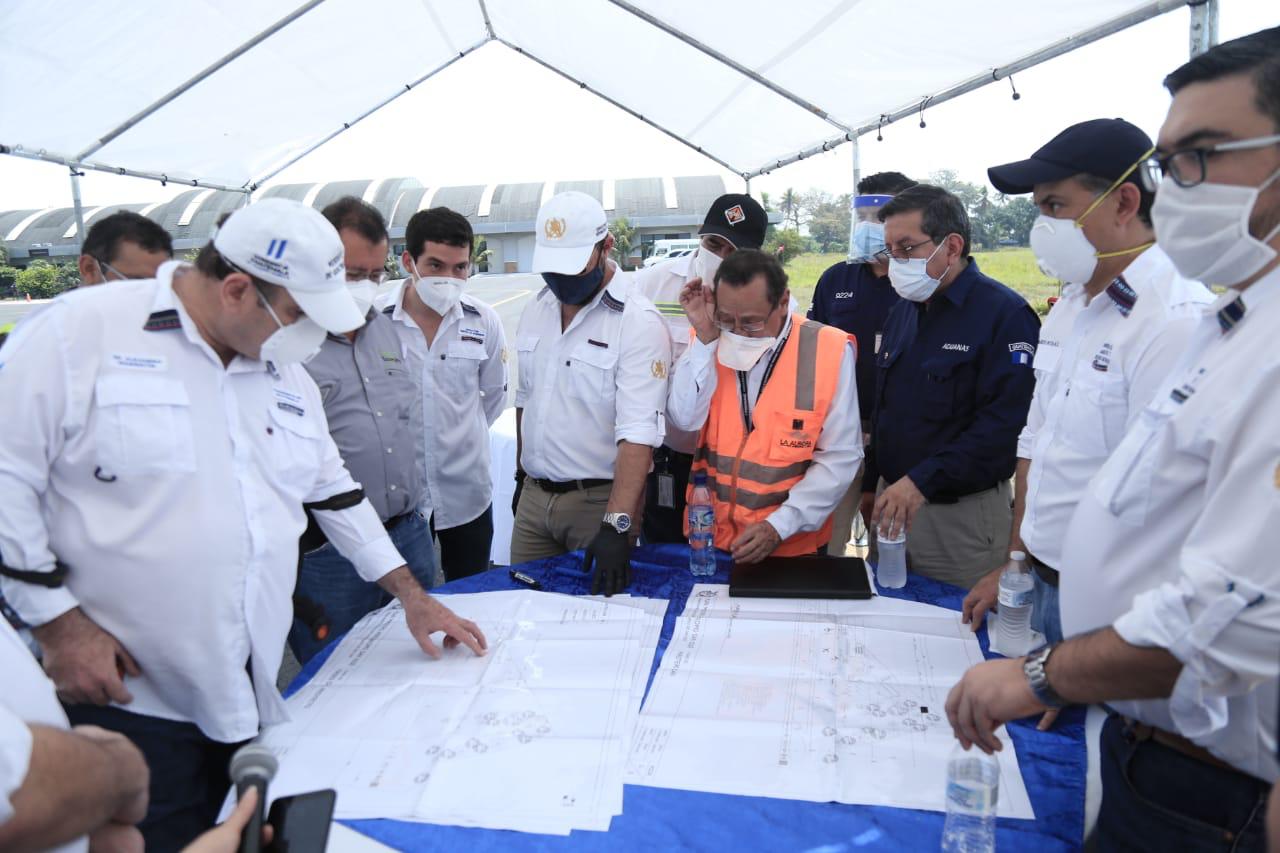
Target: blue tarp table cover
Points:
x,y
1052,763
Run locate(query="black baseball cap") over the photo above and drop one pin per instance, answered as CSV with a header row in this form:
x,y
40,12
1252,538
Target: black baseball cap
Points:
x,y
1103,147
737,218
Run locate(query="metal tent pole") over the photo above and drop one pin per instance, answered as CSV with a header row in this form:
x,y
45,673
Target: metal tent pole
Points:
x,y
78,205
1204,26
857,176
200,76
70,162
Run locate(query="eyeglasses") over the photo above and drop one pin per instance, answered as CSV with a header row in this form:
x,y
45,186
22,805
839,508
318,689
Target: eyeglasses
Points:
x,y
886,254
119,276
728,323
375,276
1188,166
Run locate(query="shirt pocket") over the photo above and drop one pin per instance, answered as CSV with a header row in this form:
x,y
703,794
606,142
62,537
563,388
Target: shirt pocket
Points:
x,y
1095,412
943,387
143,426
460,369
1123,485
526,353
793,435
589,373
295,451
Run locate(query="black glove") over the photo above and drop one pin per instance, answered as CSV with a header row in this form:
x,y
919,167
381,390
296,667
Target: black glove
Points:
x,y
515,499
610,552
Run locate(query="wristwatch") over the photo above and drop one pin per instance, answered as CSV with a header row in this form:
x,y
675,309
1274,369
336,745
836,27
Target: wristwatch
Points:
x,y
619,521
1038,680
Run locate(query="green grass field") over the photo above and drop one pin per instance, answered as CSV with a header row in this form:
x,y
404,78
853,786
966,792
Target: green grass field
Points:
x,y
1013,267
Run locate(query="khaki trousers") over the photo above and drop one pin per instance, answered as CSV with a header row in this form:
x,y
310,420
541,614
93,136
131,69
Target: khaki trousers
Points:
x,y
959,543
548,524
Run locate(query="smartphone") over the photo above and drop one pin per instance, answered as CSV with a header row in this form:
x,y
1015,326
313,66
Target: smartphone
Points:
x,y
300,824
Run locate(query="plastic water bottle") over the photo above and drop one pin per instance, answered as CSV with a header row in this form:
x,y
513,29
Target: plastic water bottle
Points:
x,y
1013,629
702,529
973,787
891,571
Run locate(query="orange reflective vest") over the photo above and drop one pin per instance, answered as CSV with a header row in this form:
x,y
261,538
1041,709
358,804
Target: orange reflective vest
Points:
x,y
752,461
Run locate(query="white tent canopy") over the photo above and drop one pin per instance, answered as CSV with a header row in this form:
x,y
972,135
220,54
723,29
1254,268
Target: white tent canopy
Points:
x,y
227,93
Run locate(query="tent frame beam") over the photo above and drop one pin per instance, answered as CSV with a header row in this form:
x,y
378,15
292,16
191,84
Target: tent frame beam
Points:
x,y
751,75
200,77
1066,45
253,185
72,163
626,109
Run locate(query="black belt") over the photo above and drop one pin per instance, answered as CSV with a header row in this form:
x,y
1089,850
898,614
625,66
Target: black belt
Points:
x,y
392,523
1138,732
571,486
1043,571
666,454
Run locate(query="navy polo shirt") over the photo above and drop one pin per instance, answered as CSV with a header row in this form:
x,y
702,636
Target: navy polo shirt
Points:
x,y
954,384
854,299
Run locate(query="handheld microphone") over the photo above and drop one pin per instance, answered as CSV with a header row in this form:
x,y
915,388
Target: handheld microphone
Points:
x,y
253,766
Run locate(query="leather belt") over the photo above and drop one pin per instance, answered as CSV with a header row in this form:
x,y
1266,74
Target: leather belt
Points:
x,y
571,486
393,523
665,453
955,499
1045,572
1142,732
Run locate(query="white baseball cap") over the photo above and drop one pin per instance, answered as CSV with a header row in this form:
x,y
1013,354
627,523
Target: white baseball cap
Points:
x,y
569,226
290,244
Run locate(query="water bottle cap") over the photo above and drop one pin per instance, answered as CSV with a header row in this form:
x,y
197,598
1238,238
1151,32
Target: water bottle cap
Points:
x,y
1018,556
700,478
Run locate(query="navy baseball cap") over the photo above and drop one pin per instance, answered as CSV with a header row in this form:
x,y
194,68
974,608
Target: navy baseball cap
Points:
x,y
1103,147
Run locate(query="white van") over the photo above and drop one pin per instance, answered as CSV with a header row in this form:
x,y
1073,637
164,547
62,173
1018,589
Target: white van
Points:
x,y
664,249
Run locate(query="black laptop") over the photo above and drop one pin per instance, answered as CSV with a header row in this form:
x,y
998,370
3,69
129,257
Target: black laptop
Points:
x,y
801,577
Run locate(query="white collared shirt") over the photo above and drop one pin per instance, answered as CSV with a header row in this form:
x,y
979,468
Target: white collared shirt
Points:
x,y
661,284
1176,540
836,454
172,487
1098,364
463,377
27,699
601,381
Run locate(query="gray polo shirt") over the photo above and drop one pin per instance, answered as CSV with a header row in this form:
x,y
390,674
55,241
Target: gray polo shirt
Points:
x,y
375,415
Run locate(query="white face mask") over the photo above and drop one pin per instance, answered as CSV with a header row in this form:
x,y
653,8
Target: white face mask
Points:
x,y
738,352
911,279
296,343
438,292
1205,230
705,265
363,292
1062,250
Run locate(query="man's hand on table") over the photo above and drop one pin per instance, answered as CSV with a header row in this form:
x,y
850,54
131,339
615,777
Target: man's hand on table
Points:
x,y
896,508
86,664
981,599
988,696
608,559
756,542
425,616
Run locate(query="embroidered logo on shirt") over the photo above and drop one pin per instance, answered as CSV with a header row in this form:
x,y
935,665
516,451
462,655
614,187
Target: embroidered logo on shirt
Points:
x,y
956,347
389,356
1102,361
472,338
1021,353
163,321
139,362
1123,295
609,301
596,343
844,294
659,369
288,401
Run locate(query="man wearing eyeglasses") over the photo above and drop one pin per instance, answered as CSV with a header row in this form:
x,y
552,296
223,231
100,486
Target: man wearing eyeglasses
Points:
x,y
734,221
122,246
372,406
774,398
953,389
1121,324
1170,595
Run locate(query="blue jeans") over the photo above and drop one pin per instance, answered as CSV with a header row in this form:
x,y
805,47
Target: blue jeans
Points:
x,y
330,581
1045,615
1156,798
189,772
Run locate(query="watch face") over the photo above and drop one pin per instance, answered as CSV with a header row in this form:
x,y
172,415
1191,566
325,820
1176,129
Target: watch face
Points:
x,y
621,522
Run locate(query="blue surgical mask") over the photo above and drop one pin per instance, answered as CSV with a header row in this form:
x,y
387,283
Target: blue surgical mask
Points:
x,y
575,289
868,238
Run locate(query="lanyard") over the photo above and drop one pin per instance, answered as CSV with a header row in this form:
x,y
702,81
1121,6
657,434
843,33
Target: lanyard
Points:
x,y
764,380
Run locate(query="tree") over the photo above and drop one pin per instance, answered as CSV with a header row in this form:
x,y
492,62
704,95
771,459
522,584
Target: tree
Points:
x,y
786,243
43,280
829,221
790,208
624,235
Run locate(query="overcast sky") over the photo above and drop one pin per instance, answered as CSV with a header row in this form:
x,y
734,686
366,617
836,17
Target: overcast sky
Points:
x,y
497,117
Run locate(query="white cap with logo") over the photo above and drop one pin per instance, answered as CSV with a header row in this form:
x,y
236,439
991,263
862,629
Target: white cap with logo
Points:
x,y
569,226
290,244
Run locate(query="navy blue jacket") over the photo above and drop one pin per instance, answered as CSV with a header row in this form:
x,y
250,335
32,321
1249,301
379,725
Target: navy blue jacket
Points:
x,y
954,383
853,298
